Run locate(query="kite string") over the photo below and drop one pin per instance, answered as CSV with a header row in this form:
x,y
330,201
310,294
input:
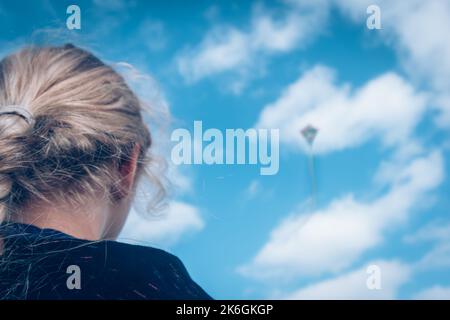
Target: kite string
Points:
x,y
311,169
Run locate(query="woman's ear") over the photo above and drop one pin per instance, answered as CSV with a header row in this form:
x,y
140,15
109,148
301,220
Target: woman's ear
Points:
x,y
128,170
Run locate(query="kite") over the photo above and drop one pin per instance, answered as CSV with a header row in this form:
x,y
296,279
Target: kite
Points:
x,y
309,133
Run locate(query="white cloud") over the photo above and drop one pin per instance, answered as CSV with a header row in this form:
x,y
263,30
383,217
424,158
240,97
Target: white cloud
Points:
x,y
443,102
331,239
438,233
223,49
386,108
353,285
227,48
388,169
163,229
282,35
434,231
437,258
418,30
434,293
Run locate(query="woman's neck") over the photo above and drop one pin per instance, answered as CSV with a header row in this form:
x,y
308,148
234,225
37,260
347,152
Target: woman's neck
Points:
x,y
83,222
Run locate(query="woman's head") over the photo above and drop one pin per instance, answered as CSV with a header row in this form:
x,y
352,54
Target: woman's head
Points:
x,y
87,137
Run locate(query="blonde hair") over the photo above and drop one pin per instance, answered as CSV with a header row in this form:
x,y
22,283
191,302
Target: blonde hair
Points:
x,y
86,122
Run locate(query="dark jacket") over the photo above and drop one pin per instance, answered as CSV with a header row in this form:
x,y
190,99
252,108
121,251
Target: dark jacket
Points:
x,y
47,264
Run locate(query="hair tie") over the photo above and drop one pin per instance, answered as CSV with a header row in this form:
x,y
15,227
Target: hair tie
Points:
x,y
19,111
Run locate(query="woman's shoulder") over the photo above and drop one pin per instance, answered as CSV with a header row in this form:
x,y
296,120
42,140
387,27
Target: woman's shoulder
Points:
x,y
140,272
64,267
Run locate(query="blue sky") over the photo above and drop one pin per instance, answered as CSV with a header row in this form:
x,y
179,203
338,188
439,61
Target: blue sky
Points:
x,y
380,99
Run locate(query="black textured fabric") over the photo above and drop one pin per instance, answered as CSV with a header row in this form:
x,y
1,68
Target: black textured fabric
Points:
x,y
34,264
